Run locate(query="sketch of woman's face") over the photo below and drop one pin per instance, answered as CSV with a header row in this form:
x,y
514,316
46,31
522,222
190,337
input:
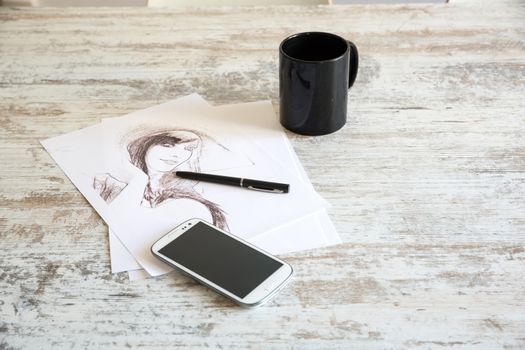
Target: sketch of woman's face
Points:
x,y
167,156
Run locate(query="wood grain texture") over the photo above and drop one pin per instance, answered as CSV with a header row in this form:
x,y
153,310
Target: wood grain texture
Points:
x,y
427,179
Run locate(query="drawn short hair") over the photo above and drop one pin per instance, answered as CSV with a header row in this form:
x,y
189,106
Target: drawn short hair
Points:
x,y
138,148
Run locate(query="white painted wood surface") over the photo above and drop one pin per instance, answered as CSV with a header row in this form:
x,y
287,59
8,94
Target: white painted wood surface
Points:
x,y
427,180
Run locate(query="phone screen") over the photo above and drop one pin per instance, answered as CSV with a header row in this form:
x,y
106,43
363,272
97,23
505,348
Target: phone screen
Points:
x,y
221,259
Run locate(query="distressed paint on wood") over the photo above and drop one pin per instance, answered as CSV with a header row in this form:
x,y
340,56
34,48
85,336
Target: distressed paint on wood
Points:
x,y
427,180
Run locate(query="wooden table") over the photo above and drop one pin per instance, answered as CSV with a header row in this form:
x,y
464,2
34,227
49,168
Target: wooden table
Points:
x,y
427,179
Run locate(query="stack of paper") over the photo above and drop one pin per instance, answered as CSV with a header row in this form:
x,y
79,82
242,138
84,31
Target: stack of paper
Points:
x,y
125,168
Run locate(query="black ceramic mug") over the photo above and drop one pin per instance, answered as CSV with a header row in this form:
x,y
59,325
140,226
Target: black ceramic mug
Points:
x,y
315,72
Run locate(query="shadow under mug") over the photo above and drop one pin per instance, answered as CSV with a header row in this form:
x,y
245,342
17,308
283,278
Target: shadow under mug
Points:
x,y
316,70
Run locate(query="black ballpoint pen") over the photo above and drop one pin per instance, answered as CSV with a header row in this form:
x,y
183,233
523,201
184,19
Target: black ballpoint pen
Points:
x,y
257,185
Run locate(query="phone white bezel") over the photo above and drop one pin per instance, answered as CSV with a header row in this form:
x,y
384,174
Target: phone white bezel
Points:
x,y
258,296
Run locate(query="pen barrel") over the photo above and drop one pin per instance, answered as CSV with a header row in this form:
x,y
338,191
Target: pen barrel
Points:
x,y
258,185
265,185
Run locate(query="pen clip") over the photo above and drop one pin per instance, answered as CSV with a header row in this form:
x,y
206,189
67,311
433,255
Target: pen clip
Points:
x,y
262,189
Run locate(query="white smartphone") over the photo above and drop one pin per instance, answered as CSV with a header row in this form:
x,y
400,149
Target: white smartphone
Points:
x,y
223,262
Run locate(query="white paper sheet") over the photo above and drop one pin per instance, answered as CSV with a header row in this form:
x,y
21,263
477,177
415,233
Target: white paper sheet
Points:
x,y
301,234
137,225
310,232
135,275
121,259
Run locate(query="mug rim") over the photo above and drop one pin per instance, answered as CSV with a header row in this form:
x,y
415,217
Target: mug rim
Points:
x,y
304,34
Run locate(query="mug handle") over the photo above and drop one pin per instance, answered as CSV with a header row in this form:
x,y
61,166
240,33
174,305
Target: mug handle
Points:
x,y
354,63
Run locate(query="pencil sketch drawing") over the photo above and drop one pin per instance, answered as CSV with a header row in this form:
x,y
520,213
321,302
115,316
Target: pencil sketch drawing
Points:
x,y
159,155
